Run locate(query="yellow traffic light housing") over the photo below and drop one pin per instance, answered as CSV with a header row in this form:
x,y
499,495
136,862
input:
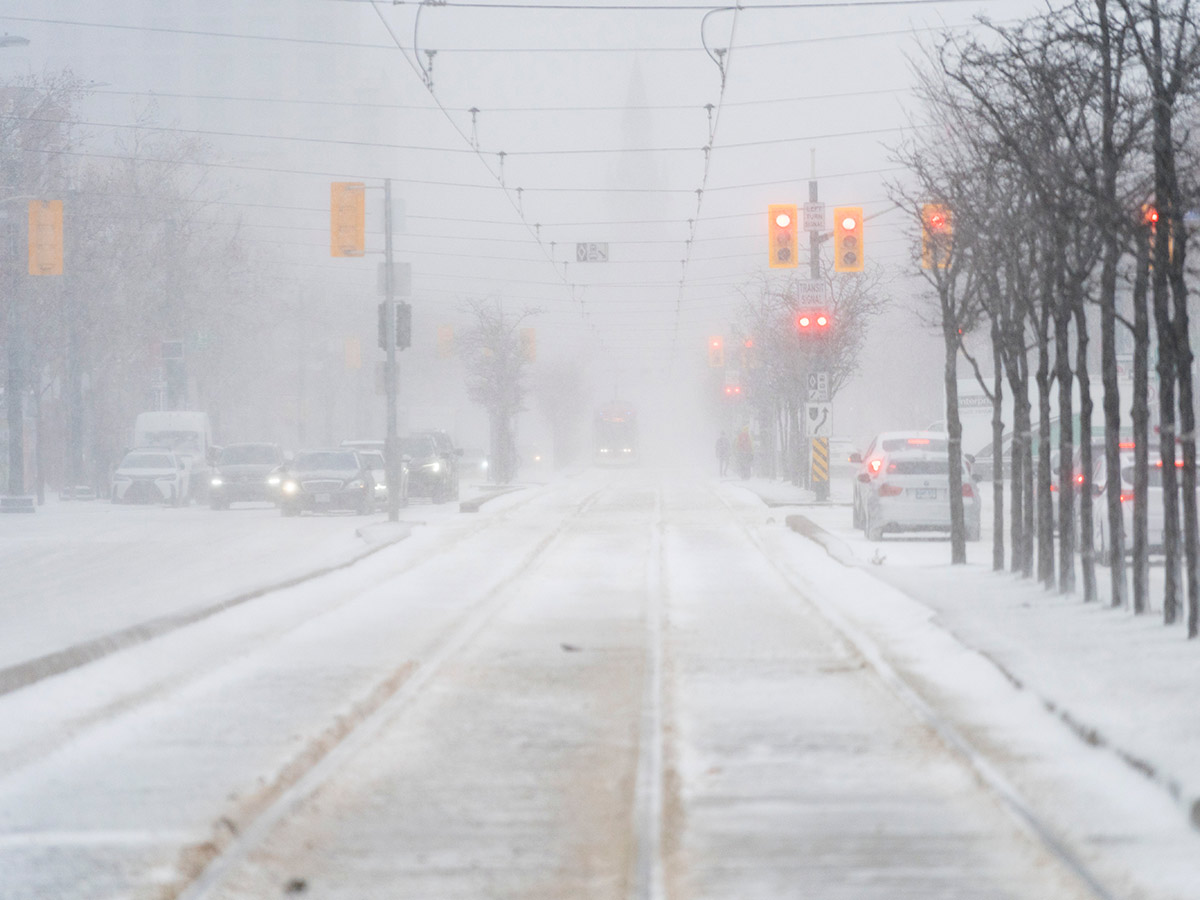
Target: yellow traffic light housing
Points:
x,y
848,239
782,236
45,237
347,219
937,235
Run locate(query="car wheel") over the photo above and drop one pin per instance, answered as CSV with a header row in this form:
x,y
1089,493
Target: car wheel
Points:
x,y
874,529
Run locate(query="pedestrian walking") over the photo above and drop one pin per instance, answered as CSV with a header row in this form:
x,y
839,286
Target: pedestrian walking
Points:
x,y
723,450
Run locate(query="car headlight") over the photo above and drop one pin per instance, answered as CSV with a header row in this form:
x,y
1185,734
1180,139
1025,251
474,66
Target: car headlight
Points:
x,y
290,487
483,464
433,467
274,480
216,481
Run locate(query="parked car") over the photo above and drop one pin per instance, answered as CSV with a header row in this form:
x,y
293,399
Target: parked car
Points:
x,y
375,461
869,461
151,476
324,481
241,474
1102,484
910,491
430,472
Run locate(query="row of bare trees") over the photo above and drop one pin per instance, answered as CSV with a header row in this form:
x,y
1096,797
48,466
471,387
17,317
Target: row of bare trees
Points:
x,y
146,261
1060,146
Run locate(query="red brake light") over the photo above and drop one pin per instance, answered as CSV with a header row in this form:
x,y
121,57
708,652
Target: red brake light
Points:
x,y
822,321
874,465
1079,478
968,491
890,490
1053,488
918,440
805,321
1126,445
1126,496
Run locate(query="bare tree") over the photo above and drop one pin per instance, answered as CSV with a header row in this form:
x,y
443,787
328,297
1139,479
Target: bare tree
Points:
x,y
495,363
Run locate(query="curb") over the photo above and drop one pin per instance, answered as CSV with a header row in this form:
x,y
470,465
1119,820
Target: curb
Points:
x,y
34,670
1090,735
472,505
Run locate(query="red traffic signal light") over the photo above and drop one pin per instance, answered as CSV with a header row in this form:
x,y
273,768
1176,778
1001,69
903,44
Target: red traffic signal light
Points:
x,y
813,322
937,235
782,236
716,352
848,239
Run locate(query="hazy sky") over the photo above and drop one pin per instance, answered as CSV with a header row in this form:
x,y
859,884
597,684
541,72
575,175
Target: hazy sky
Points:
x,y
601,115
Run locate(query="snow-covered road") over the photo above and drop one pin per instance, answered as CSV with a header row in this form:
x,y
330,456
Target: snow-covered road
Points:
x,y
624,684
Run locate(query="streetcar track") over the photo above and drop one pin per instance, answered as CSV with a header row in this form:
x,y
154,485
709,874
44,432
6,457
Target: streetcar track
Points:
x,y
951,737
229,846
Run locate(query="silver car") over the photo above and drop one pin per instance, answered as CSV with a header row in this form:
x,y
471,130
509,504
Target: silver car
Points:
x,y
909,490
150,476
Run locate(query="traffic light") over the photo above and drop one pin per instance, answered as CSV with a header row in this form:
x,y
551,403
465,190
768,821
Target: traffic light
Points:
x,y
528,344
716,352
848,239
937,232
813,322
782,236
347,218
403,326
45,237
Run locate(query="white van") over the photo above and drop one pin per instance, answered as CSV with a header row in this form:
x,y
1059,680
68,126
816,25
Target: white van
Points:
x,y
186,433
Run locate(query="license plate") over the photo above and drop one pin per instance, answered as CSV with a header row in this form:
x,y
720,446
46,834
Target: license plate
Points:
x,y
927,493
323,498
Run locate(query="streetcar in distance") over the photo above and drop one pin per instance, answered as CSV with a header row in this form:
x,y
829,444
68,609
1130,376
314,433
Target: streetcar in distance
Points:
x,y
615,434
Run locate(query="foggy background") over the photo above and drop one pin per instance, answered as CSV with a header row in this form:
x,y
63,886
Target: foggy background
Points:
x,y
602,117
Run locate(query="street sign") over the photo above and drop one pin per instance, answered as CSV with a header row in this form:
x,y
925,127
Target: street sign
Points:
x,y
591,252
814,216
811,293
818,420
818,387
401,279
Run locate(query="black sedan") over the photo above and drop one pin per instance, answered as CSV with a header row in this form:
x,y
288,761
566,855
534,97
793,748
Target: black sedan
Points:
x,y
241,473
324,481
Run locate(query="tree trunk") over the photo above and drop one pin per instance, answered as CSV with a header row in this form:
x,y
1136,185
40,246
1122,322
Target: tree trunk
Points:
x,y
1045,510
1187,420
1066,446
1140,413
958,543
1083,489
1166,426
997,456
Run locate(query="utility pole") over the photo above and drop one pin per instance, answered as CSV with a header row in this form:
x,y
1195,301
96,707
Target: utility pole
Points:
x,y
391,375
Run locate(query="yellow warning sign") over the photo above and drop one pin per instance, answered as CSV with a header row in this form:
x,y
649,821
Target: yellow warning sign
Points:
x,y
820,459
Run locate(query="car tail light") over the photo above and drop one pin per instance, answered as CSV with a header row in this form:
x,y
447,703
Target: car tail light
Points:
x,y
890,490
1079,478
1126,445
874,465
1054,488
918,440
1126,496
968,491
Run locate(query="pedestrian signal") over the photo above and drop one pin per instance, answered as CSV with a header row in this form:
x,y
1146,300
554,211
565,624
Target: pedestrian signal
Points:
x,y
347,219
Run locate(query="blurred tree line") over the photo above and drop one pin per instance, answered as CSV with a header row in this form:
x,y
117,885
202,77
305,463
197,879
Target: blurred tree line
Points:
x,y
1061,148
158,306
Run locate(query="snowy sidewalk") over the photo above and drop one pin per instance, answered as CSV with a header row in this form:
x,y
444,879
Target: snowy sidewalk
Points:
x,y
1122,683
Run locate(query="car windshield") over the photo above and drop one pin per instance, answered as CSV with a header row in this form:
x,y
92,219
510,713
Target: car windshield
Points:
x,y
417,446
929,445
246,454
148,461
372,459
332,460
186,441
